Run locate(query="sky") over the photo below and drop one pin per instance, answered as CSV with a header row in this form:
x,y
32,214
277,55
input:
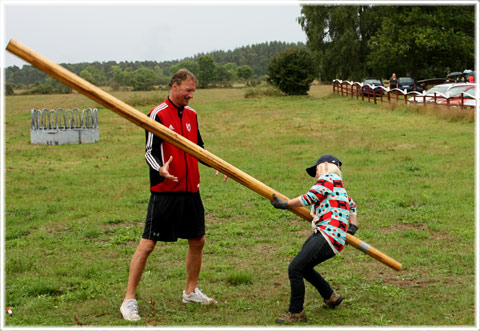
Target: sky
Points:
x,y
74,32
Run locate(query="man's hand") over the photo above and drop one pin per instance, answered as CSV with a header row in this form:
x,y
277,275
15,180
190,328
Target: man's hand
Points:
x,y
163,171
224,176
352,228
279,204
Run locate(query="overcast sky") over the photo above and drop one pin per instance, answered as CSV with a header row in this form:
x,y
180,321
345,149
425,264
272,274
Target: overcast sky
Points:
x,y
73,32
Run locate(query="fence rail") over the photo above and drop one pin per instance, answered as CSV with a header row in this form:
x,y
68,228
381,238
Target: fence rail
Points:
x,y
381,94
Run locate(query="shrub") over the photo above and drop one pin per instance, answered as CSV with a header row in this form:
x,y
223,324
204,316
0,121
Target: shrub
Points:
x,y
9,89
144,100
50,87
143,79
264,91
292,71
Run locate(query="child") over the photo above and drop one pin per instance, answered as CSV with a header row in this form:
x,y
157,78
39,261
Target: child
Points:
x,y
333,212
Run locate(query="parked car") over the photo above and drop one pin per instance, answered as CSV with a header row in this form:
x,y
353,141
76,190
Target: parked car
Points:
x,y
442,92
429,94
469,96
409,84
372,84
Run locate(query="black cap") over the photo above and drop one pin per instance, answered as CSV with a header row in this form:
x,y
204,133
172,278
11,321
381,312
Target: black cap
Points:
x,y
312,171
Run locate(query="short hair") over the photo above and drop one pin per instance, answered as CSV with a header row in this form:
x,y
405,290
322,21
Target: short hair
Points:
x,y
182,75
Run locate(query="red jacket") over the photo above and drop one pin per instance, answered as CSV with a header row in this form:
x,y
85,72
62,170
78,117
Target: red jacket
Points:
x,y
157,151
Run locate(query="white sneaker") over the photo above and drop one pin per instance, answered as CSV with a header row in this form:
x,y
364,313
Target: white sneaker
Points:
x,y
129,310
198,296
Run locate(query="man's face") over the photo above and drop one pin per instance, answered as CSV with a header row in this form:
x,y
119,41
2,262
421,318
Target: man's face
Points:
x,y
181,94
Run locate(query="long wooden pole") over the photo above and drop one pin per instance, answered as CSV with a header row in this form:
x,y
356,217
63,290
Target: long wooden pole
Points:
x,y
121,108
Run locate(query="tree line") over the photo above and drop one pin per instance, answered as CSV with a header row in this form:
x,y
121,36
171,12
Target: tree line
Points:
x,y
352,42
343,42
218,68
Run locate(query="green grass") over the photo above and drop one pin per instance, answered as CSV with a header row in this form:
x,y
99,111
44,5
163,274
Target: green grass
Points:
x,y
74,215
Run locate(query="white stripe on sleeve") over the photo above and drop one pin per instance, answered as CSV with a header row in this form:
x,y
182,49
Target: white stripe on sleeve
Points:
x,y
148,148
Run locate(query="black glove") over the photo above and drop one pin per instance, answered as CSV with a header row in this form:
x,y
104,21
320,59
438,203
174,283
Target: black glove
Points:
x,y
352,228
279,204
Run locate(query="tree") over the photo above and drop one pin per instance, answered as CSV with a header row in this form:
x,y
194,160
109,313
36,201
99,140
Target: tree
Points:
x,y
255,56
190,65
244,73
94,75
222,75
57,86
292,71
207,72
160,77
232,69
9,89
143,79
351,42
51,86
338,37
427,41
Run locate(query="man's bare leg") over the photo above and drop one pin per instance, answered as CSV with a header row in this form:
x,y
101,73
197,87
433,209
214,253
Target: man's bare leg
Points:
x,y
193,262
137,265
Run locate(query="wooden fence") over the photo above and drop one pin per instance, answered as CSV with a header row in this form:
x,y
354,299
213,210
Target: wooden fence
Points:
x,y
381,94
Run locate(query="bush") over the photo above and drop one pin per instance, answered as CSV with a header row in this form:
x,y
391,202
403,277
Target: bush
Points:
x,y
292,71
145,100
9,89
143,79
50,87
265,91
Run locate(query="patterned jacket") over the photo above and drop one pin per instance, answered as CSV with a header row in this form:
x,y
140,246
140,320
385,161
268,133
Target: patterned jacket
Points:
x,y
331,208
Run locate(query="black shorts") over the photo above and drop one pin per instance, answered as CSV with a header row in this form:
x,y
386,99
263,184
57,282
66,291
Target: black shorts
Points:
x,y
174,215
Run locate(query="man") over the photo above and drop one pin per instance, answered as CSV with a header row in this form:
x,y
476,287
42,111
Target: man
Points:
x,y
175,209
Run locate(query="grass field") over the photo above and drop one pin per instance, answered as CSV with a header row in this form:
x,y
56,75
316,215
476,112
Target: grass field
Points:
x,y
74,215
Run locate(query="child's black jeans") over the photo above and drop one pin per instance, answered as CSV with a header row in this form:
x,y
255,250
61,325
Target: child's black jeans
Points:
x,y
314,251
